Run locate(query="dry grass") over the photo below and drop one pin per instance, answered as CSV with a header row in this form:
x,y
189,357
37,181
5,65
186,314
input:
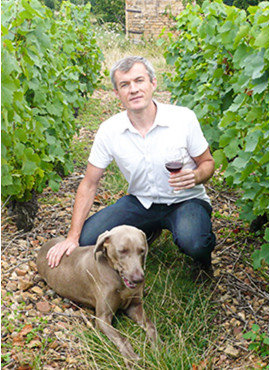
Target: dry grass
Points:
x,y
115,46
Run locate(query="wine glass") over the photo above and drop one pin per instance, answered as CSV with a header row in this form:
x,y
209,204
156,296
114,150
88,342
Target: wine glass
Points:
x,y
174,161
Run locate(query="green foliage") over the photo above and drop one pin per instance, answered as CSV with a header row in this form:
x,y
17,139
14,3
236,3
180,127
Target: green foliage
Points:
x,y
259,341
56,4
52,4
262,254
242,4
221,71
48,67
109,10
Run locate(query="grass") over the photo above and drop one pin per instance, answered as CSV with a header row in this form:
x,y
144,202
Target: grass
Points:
x,y
115,46
182,311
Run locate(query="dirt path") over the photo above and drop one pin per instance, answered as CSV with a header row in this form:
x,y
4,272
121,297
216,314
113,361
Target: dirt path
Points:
x,y
37,325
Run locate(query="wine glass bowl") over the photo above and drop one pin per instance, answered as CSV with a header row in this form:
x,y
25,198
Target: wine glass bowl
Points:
x,y
174,166
174,161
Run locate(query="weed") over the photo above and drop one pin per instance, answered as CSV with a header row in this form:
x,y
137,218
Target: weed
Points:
x,y
259,341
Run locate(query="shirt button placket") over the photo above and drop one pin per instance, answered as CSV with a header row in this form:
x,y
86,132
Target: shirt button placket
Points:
x,y
150,170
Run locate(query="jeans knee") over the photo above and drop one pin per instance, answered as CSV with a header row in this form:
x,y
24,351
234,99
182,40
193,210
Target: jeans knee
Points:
x,y
86,239
199,248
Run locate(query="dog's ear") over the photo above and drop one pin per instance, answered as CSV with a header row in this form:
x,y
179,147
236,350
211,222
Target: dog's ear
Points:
x,y
146,248
100,242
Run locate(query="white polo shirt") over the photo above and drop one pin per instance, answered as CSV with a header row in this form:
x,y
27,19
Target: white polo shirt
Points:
x,y
142,159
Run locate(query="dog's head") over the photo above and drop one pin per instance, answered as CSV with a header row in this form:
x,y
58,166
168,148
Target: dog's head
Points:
x,y
125,248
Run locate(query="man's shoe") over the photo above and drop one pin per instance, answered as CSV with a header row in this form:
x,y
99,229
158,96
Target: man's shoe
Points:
x,y
155,234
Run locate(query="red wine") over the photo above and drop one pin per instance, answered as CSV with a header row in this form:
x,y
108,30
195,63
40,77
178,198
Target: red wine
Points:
x,y
174,166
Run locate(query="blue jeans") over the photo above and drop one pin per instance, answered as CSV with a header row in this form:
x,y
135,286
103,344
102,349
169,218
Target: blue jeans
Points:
x,y
189,222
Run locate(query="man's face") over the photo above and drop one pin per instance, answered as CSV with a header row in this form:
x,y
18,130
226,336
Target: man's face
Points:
x,y
134,88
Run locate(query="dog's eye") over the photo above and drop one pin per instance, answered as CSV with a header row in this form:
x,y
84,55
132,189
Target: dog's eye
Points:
x,y
142,251
123,251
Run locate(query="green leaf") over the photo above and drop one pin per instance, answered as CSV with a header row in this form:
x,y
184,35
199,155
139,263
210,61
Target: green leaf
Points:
x,y
13,189
30,9
240,162
50,139
262,40
6,138
4,30
19,149
220,159
54,181
254,65
266,234
43,39
249,335
20,134
264,253
240,55
9,65
8,87
260,84
228,118
55,107
6,180
29,167
232,149
227,136
54,185
252,141
30,162
255,328
241,34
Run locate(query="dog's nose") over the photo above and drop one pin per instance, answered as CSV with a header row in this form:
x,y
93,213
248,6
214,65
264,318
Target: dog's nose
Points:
x,y
138,277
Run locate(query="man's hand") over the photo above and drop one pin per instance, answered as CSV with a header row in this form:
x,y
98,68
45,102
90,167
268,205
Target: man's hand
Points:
x,y
184,179
55,254
187,178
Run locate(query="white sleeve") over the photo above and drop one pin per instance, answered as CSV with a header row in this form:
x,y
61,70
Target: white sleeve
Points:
x,y
196,142
100,155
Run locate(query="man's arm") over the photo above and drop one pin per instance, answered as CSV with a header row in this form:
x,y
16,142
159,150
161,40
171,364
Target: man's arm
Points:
x,y
187,179
83,202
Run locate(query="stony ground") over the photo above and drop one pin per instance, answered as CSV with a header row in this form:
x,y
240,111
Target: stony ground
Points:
x,y
38,325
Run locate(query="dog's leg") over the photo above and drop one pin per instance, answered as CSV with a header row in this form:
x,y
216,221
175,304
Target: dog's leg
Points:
x,y
136,312
104,317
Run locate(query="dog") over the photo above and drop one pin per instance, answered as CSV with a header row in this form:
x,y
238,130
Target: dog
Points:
x,y
108,276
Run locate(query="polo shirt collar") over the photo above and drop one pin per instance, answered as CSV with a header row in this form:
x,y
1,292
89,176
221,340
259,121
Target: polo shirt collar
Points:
x,y
160,120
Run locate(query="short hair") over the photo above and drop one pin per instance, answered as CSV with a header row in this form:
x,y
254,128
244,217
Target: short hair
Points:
x,y
127,63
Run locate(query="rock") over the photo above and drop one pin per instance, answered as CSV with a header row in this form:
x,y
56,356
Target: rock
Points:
x,y
43,306
57,309
37,290
230,350
25,284
12,286
20,272
242,316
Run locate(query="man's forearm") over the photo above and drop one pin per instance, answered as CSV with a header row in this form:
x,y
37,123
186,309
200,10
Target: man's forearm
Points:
x,y
82,206
204,172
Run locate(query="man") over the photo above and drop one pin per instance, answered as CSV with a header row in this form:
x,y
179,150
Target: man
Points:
x,y
138,140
